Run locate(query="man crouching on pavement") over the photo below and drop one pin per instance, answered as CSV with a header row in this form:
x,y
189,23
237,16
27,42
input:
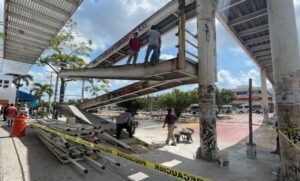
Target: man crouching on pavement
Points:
x,y
124,121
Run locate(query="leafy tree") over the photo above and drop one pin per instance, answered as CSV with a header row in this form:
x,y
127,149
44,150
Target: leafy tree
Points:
x,y
39,91
224,97
18,81
96,86
178,100
134,104
65,53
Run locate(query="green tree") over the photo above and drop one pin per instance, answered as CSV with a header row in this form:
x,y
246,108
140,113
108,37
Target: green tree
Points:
x,y
96,86
39,91
224,97
18,81
134,104
177,99
66,53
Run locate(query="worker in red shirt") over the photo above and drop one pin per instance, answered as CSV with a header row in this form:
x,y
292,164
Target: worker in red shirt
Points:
x,y
134,45
11,112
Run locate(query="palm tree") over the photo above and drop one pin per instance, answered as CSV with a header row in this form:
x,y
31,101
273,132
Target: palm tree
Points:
x,y
18,79
39,90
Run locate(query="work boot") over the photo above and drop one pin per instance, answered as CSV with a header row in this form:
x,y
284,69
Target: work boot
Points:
x,y
173,144
167,142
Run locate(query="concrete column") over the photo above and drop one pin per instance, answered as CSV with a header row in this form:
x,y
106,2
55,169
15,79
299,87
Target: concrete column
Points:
x,y
206,73
181,34
274,100
264,94
286,67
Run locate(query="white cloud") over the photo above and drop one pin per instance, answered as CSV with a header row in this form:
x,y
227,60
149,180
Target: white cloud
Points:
x,y
166,56
250,63
227,80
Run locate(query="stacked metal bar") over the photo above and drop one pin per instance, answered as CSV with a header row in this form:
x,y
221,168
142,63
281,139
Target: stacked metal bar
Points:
x,y
71,152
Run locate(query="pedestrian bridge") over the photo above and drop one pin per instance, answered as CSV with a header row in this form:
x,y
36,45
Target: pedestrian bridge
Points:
x,y
245,20
163,70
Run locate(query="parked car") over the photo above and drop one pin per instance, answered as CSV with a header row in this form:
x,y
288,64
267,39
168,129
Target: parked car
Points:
x,y
244,108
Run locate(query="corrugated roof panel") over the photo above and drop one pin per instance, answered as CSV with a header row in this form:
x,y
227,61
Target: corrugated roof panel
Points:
x,y
29,26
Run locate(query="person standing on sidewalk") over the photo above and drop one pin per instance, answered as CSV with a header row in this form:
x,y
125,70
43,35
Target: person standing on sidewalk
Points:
x,y
124,121
170,121
134,45
154,45
11,112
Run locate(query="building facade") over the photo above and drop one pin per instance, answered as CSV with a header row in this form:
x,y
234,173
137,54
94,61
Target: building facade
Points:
x,y
242,96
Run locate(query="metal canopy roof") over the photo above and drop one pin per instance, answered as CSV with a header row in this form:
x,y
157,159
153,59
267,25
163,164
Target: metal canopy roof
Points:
x,y
30,25
248,23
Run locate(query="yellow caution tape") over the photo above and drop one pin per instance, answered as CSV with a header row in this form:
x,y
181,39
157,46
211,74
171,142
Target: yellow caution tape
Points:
x,y
290,141
178,174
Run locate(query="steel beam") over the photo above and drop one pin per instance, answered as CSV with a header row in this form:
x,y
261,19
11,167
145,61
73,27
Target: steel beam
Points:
x,y
257,40
263,53
231,4
31,40
264,58
31,21
253,30
21,50
27,59
19,54
35,13
260,47
248,17
28,28
29,44
53,8
19,46
21,59
28,35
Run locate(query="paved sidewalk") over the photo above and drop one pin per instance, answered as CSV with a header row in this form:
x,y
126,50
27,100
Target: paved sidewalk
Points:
x,y
27,159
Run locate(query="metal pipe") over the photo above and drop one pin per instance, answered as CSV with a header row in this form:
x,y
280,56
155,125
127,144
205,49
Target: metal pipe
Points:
x,y
81,168
250,113
94,162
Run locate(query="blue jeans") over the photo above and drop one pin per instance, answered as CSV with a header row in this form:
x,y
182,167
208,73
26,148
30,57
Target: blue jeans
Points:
x,y
155,54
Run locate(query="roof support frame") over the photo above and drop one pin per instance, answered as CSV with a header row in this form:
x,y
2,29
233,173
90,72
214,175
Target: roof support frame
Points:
x,y
260,47
253,30
248,17
32,21
50,6
257,40
35,13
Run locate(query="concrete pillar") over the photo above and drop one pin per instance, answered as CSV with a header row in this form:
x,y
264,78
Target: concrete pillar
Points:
x,y
181,34
274,100
264,95
286,68
206,71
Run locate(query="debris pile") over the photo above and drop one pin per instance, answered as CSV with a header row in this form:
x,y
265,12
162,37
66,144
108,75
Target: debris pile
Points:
x,y
68,151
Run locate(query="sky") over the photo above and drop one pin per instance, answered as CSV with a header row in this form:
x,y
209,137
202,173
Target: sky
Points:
x,y
105,22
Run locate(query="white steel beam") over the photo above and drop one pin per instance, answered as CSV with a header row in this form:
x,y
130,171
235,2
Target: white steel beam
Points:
x,y
248,17
19,53
253,30
50,6
30,28
31,21
28,35
257,40
260,47
19,46
25,43
31,40
35,13
263,53
264,58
